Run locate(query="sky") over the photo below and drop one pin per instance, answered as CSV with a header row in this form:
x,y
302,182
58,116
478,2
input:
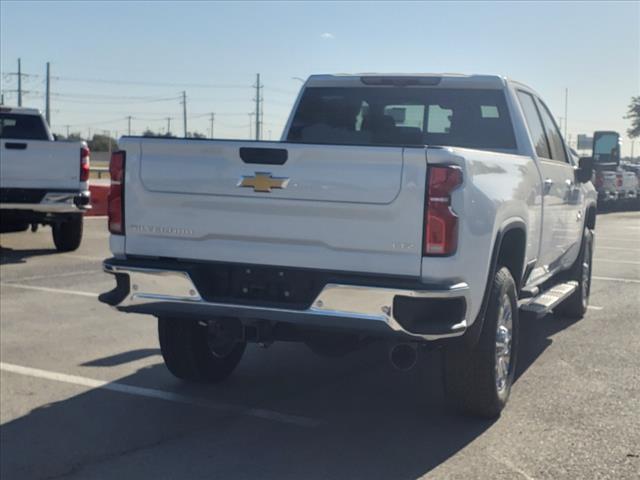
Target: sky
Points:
x,y
111,60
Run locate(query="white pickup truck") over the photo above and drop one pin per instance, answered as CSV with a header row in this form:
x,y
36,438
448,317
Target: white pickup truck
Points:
x,y
42,181
427,210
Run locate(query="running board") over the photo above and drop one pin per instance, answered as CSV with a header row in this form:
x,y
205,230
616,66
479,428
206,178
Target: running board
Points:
x,y
548,300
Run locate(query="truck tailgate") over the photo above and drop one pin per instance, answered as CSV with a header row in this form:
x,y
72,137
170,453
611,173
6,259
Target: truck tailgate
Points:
x,y
348,208
39,164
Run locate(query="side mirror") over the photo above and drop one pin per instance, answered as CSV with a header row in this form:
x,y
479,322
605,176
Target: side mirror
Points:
x,y
584,172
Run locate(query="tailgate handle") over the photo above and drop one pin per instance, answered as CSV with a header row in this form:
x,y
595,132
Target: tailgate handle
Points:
x,y
15,146
263,156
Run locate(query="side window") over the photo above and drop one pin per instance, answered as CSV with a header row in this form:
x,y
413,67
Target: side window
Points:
x,y
553,134
535,125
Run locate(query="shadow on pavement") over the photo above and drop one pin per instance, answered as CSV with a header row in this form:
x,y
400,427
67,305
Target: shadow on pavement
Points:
x,y
10,255
374,422
122,358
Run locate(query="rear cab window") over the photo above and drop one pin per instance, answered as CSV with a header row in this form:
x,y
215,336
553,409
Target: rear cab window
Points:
x,y
22,127
396,116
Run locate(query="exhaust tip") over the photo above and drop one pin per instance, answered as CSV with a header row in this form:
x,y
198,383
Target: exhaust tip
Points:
x,y
403,356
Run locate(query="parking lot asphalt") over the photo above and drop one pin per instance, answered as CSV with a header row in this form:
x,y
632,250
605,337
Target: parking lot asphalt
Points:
x,y
84,392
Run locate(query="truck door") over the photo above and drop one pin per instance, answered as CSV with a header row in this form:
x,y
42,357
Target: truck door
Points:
x,y
570,191
557,183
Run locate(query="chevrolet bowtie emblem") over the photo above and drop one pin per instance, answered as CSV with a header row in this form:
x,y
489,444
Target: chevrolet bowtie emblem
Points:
x,y
263,182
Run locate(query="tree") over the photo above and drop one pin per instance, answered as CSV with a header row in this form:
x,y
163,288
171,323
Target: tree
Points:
x,y
73,137
150,133
633,114
102,143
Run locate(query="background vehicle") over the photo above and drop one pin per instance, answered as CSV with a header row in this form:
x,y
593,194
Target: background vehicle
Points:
x,y
351,229
617,185
42,181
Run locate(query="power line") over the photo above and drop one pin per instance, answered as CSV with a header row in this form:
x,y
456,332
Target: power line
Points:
x,y
258,102
184,112
47,102
19,82
157,84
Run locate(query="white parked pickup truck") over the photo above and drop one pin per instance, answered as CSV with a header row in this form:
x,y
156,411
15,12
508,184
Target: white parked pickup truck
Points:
x,y
427,210
42,181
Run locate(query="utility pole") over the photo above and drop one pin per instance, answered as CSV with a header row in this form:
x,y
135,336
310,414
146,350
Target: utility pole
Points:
x,y
184,112
258,101
1,98
19,83
129,125
213,116
633,142
47,106
566,105
67,130
168,125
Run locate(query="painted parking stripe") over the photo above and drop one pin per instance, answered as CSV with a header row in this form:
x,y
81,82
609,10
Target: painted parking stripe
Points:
x,y
616,279
85,257
159,395
616,261
594,307
632,238
50,290
598,247
54,275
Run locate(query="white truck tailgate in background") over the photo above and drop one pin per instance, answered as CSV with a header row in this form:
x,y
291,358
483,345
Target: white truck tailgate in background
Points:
x,y
346,208
42,164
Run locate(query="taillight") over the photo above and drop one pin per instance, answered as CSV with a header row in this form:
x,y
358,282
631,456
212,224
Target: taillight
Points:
x,y
441,223
85,165
115,206
599,180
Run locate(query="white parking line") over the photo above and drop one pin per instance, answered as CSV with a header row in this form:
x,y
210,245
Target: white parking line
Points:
x,y
50,290
616,279
85,257
616,261
55,275
160,395
617,239
598,247
594,307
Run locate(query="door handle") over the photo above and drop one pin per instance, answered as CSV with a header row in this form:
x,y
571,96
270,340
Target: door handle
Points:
x,y
15,146
548,183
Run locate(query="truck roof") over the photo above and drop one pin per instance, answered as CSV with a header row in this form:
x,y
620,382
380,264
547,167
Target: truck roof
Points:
x,y
450,80
19,110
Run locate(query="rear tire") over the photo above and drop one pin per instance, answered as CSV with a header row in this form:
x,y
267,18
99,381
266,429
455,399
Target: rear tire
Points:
x,y
67,235
478,380
191,354
576,305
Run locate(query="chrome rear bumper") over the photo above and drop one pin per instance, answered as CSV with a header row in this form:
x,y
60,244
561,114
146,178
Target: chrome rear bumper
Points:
x,y
364,308
55,202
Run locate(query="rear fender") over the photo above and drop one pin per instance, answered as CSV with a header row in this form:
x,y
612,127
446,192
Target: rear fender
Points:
x,y
472,335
